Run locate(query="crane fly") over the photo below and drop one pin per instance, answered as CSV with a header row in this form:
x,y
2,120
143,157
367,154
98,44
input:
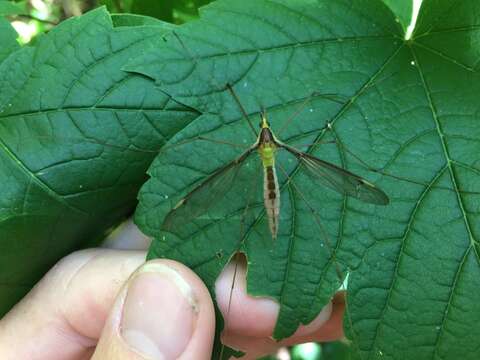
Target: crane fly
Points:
x,y
266,146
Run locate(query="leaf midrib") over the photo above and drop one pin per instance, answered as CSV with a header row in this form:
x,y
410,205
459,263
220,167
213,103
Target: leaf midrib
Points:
x,y
86,108
461,205
288,46
446,153
448,167
47,189
33,176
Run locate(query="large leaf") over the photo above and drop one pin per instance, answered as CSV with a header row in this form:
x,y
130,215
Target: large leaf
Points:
x,y
416,295
407,108
60,101
8,39
12,8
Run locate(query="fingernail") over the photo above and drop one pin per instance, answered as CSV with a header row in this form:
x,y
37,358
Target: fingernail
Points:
x,y
159,312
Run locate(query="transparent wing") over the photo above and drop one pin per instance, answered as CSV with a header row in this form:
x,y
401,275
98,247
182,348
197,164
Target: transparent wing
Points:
x,y
202,198
339,179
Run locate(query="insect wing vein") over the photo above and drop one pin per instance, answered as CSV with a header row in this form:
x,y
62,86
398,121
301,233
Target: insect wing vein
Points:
x,y
339,179
205,195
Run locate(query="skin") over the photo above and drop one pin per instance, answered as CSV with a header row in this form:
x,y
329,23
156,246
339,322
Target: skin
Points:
x,y
110,304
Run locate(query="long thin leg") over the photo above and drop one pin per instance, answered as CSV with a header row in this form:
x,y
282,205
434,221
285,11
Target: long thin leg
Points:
x,y
242,109
302,106
393,176
327,242
243,233
227,86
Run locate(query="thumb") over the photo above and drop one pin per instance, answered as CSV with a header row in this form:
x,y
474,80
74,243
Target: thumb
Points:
x,y
163,312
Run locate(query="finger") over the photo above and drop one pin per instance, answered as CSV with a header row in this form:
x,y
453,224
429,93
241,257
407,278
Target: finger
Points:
x,y
127,237
250,321
163,312
256,347
243,314
65,312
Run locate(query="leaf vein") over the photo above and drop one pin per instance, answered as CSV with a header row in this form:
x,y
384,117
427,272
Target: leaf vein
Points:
x,y
401,251
446,153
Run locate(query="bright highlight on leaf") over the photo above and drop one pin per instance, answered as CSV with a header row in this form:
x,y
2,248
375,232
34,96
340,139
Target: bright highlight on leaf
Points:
x,y
307,351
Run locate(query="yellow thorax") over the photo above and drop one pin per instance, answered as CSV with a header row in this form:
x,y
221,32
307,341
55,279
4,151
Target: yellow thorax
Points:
x,y
266,149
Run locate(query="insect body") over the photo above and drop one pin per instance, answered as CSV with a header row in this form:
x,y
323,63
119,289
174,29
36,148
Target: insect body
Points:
x,y
267,146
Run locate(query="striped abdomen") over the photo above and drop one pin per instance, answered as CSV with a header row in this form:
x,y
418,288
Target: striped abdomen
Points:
x,y
271,196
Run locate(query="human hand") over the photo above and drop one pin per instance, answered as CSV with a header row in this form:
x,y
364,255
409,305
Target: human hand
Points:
x,y
97,304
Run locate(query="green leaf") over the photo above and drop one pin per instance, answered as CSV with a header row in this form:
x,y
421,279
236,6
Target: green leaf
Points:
x,y
416,298
139,20
117,6
187,10
406,109
61,103
336,350
8,39
402,10
8,8
158,9
451,30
